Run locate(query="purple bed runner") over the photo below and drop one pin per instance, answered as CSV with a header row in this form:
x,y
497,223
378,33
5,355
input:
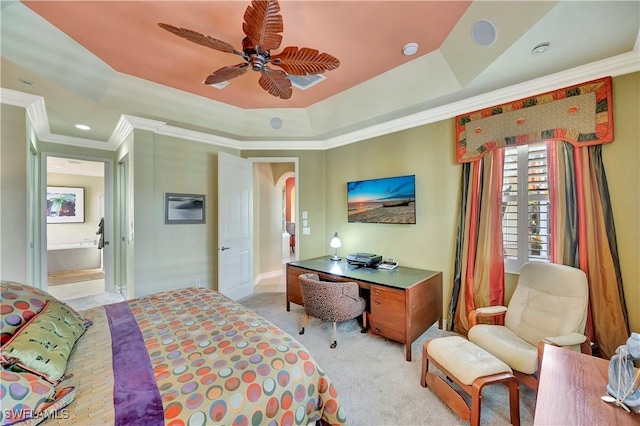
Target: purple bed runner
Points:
x,y
136,397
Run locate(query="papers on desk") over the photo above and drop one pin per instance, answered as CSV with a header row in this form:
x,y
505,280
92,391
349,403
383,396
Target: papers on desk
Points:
x,y
388,264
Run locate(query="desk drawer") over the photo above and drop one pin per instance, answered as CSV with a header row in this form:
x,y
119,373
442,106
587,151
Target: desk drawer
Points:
x,y
294,293
388,317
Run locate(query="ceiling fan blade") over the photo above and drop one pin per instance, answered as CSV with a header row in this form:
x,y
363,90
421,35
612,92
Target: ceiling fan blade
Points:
x,y
201,39
304,61
262,25
275,82
226,73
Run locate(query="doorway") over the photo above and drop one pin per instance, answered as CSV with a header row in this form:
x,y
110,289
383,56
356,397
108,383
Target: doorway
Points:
x,y
76,260
276,201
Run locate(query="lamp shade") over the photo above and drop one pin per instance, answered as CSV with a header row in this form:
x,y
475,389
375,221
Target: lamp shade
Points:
x,y
335,241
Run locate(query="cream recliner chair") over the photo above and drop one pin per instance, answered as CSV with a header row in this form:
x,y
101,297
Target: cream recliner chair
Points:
x,y
549,305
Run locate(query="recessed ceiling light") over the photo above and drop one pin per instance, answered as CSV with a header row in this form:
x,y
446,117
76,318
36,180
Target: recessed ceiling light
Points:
x,y
27,82
276,122
541,48
82,127
410,49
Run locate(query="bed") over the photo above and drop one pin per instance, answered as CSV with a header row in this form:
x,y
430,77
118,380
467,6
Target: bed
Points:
x,y
188,356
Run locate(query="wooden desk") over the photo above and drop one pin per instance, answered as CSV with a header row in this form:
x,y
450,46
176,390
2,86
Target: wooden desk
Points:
x,y
401,304
569,391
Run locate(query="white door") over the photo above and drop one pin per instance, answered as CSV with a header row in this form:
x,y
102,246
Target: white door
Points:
x,y
122,275
235,226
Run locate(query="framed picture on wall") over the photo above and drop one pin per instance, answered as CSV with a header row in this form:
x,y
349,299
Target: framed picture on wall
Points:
x,y
65,204
183,208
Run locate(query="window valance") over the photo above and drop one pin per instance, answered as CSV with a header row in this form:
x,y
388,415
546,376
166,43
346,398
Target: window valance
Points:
x,y
581,115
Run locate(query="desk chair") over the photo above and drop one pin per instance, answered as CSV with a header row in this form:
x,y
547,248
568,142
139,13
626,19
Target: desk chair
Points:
x,y
331,301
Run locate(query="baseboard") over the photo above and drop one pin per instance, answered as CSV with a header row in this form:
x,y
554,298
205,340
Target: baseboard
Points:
x,y
270,274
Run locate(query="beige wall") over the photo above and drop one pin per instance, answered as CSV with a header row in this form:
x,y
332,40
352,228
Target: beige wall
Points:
x,y
426,152
173,256
311,197
13,194
622,163
267,215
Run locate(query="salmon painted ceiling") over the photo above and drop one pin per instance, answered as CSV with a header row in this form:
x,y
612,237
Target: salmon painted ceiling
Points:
x,y
366,37
109,65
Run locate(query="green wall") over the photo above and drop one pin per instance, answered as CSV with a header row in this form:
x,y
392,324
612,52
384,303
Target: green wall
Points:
x,y
426,152
13,194
311,198
173,256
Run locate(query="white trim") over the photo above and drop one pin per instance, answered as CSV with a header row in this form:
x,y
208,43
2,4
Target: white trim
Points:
x,y
617,65
266,275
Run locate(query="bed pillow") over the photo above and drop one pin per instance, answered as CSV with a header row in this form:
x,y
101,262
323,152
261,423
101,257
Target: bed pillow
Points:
x,y
29,399
44,344
20,303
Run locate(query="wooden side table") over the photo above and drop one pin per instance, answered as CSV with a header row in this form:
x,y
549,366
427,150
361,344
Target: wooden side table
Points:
x,y
569,391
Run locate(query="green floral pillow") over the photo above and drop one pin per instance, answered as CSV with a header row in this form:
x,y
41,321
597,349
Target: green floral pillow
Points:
x,y
44,344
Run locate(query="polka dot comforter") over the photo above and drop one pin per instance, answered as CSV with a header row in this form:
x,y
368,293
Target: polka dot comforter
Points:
x,y
194,357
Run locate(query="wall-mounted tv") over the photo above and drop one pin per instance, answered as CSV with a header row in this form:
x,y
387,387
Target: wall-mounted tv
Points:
x,y
383,200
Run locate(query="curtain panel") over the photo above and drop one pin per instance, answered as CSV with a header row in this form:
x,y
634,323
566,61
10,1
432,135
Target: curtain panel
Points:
x,y
479,263
584,237
575,121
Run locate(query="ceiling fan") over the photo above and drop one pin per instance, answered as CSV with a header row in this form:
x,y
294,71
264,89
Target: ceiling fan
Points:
x,y
262,27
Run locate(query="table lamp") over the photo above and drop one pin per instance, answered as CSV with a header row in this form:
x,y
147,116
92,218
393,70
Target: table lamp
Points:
x,y
335,243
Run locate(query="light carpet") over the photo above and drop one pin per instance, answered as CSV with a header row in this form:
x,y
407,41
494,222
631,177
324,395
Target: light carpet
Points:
x,y
375,383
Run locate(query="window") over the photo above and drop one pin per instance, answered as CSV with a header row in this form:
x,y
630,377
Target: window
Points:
x,y
525,206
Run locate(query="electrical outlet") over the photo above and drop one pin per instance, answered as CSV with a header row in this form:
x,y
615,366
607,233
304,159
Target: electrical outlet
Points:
x,y
199,282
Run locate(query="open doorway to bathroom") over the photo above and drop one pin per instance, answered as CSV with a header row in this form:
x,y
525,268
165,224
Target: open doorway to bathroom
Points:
x,y
75,208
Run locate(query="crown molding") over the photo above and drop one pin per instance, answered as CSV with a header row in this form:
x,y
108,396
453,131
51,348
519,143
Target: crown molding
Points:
x,y
120,132
37,114
193,135
618,65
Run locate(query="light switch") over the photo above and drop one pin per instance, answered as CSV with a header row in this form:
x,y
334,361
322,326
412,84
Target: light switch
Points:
x,y
306,231
305,223
305,215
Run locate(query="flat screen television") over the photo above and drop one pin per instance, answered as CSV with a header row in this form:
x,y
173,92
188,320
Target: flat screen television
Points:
x,y
382,200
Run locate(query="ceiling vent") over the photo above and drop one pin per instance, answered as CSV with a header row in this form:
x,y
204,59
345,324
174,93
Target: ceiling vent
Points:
x,y
220,85
303,82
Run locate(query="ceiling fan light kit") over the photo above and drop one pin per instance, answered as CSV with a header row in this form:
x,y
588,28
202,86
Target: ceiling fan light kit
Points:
x,y
262,27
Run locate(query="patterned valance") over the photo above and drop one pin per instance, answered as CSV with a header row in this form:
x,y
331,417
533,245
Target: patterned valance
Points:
x,y
581,115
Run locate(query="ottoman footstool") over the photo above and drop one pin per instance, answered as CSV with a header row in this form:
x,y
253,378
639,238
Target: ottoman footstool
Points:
x,y
471,368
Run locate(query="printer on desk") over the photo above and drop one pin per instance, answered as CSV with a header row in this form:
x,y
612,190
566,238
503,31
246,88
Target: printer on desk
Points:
x,y
365,260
